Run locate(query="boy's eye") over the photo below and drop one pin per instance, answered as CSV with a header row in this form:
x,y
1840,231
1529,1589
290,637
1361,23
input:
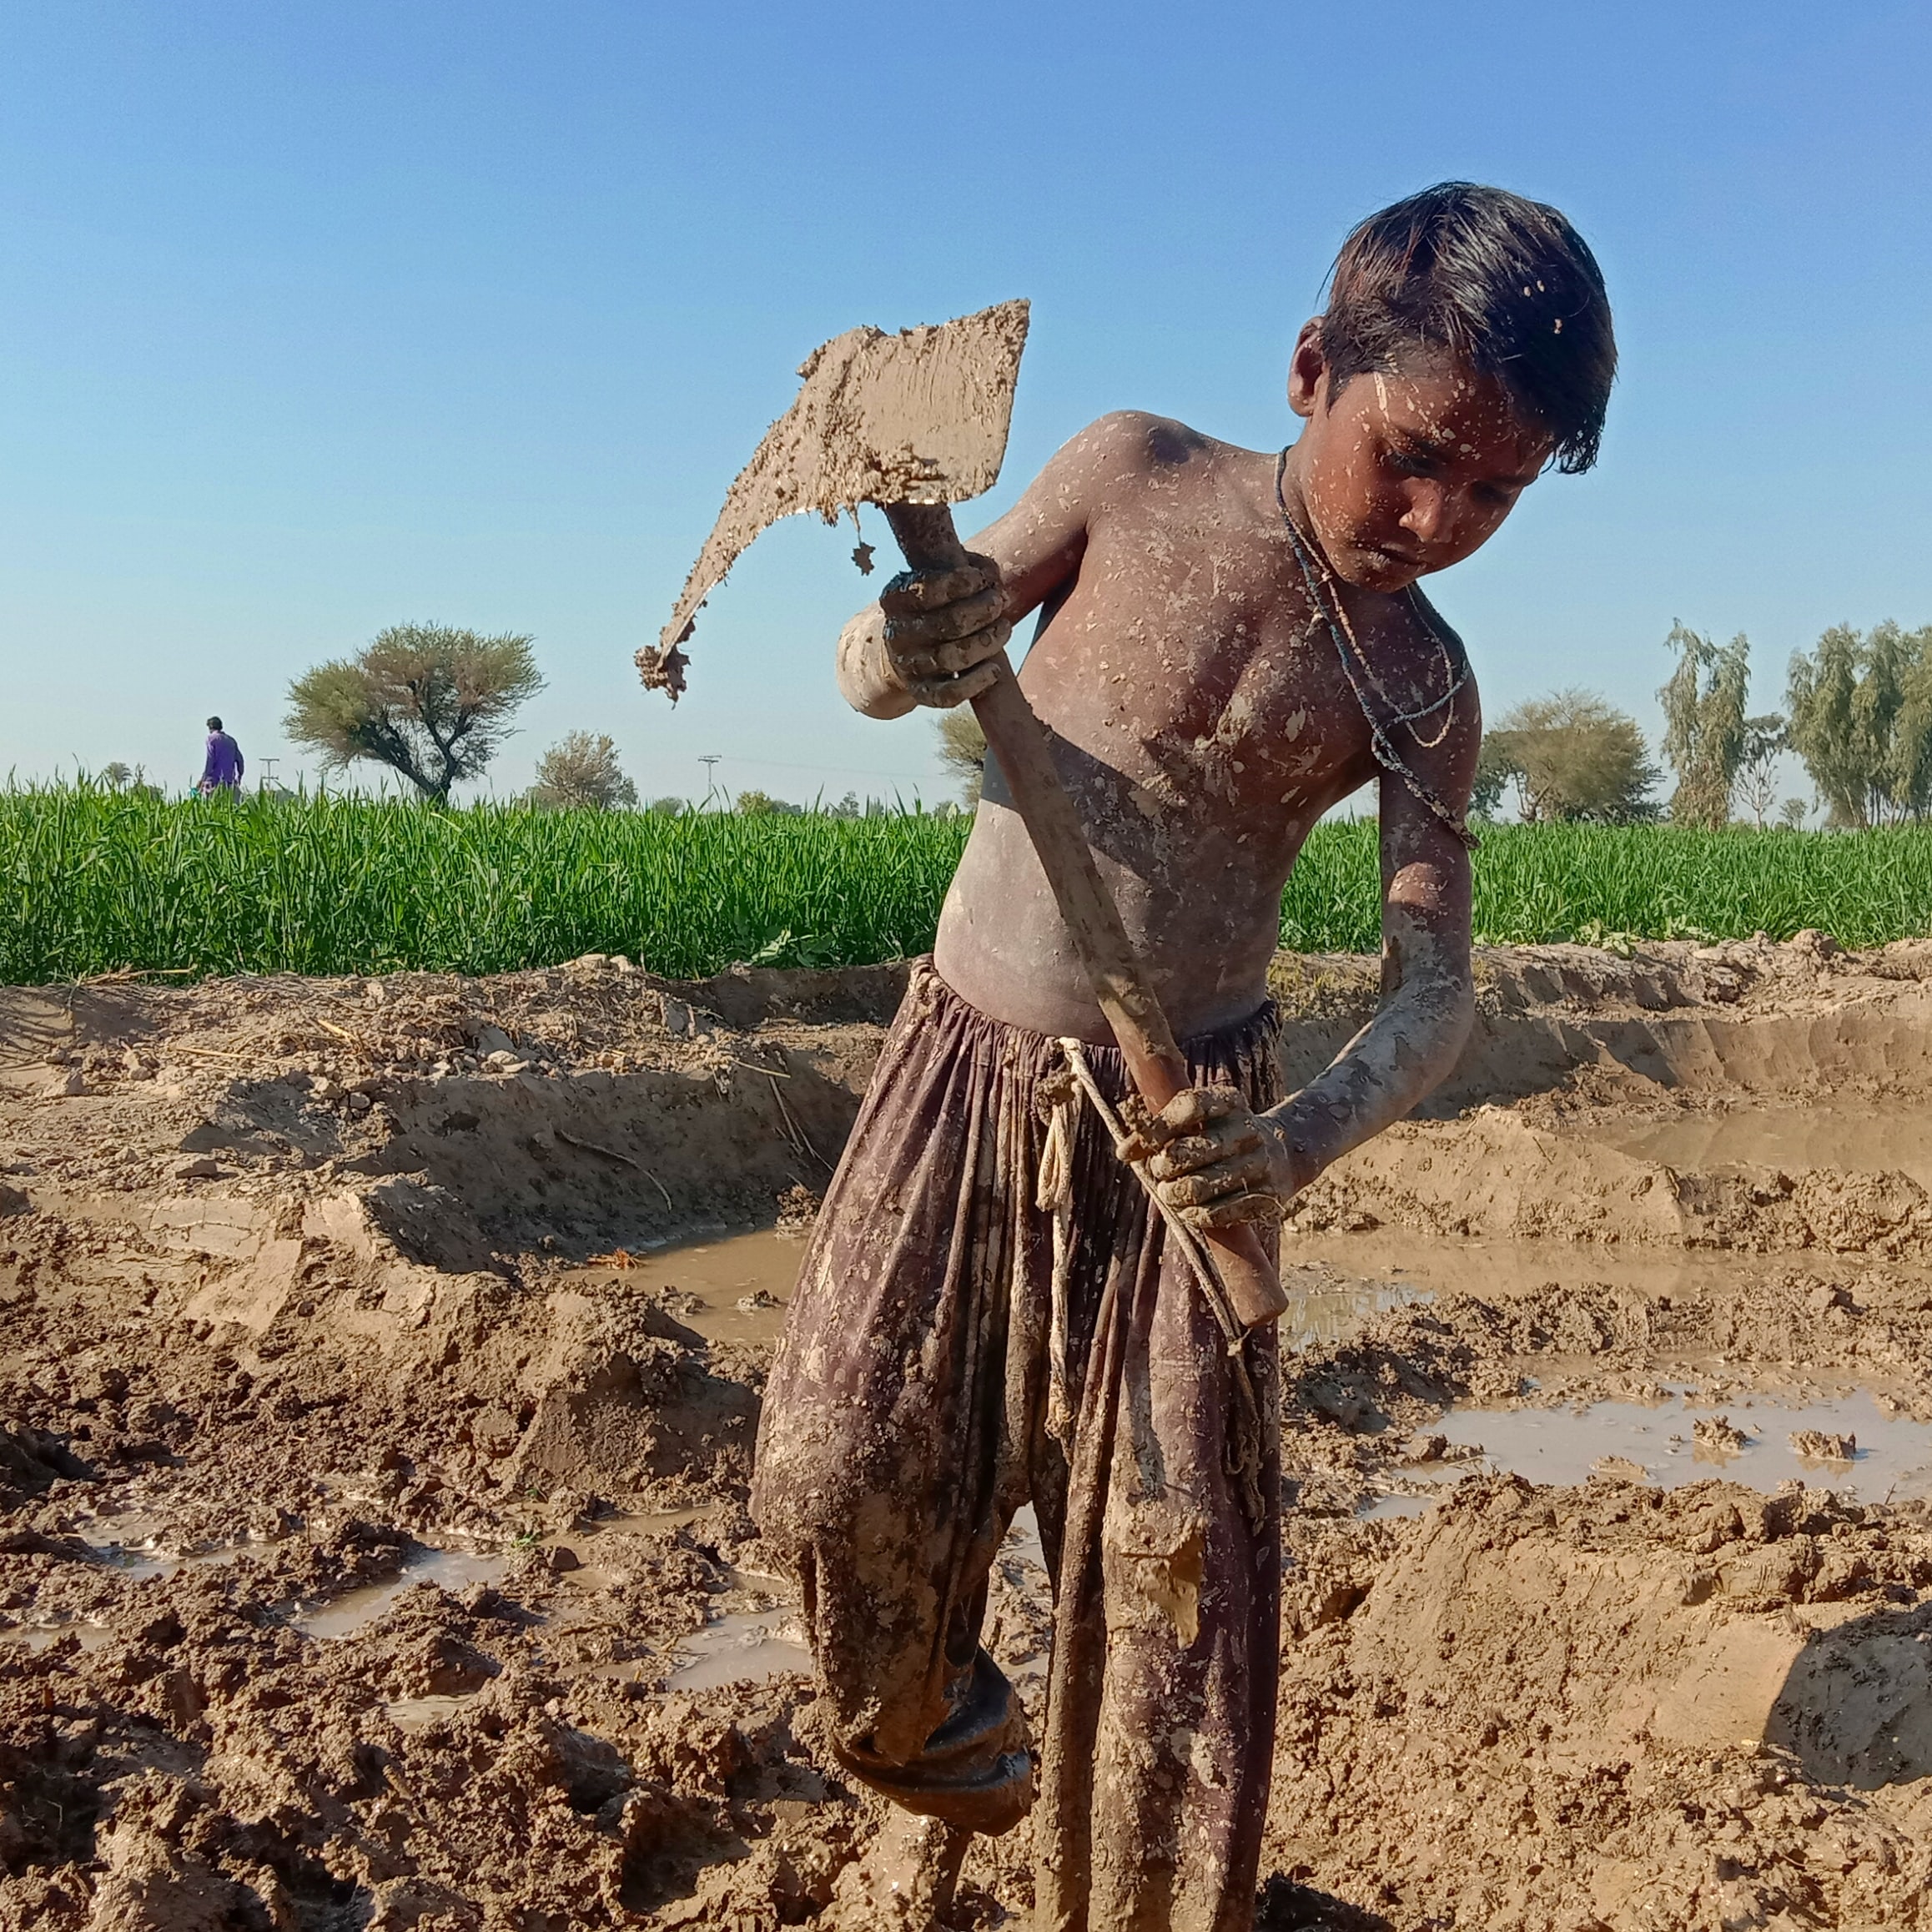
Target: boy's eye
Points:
x,y
1412,462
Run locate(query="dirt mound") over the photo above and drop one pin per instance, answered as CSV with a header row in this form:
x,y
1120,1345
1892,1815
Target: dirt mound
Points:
x,y
1614,1707
562,1111
373,1540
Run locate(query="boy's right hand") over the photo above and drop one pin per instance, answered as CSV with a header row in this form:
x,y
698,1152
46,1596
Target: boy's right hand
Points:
x,y
942,629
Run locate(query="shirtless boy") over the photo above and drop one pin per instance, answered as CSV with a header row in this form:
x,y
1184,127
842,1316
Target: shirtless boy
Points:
x,y
1230,641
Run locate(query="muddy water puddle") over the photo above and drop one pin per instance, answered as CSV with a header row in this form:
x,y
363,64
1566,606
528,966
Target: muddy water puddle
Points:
x,y
736,1288
41,1633
140,1545
355,1610
419,1714
1369,1274
746,1645
742,1646
1845,1443
1872,1138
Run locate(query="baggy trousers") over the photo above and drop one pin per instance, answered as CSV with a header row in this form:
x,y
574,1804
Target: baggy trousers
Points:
x,y
936,1373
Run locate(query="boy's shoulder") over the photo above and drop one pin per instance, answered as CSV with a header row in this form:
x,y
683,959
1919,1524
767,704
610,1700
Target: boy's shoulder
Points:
x,y
1134,461
1138,439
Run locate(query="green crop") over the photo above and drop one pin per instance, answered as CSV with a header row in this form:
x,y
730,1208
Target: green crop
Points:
x,y
94,880
1603,884
90,882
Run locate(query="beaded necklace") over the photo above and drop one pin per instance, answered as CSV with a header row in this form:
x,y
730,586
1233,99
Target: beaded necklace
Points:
x,y
1356,668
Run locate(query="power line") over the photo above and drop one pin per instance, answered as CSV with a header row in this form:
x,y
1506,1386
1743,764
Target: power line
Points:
x,y
836,771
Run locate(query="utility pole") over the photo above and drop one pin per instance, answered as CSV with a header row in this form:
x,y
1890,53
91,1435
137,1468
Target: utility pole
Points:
x,y
707,760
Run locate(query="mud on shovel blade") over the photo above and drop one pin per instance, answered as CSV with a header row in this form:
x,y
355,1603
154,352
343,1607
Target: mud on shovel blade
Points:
x,y
918,417
914,423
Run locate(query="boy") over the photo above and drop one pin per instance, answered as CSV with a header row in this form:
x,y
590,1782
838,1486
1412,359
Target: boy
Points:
x,y
1230,642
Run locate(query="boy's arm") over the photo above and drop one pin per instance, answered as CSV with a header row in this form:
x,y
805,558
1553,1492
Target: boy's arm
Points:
x,y
1220,1163
926,640
1428,995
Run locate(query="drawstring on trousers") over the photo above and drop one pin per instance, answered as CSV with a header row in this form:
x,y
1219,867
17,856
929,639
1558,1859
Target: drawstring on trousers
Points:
x,y
1053,1194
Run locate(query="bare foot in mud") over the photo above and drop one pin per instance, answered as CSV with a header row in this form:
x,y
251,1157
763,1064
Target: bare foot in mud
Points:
x,y
906,1877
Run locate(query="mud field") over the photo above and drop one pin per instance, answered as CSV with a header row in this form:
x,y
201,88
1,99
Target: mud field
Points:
x,y
380,1365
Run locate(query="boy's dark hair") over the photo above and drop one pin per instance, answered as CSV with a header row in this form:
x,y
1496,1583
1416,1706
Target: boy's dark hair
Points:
x,y
1504,284
214,724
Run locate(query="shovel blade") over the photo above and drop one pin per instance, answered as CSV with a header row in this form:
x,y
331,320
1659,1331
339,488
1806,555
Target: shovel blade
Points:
x,y
918,417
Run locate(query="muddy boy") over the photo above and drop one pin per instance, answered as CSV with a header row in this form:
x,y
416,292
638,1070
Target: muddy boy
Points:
x,y
1230,641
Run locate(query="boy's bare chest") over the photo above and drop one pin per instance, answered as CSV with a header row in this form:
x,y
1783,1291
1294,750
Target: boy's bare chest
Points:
x,y
1191,662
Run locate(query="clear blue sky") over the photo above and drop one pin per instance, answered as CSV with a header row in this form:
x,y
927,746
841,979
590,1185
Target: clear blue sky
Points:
x,y
315,318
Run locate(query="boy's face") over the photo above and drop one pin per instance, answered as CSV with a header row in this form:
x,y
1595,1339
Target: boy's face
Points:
x,y
1407,472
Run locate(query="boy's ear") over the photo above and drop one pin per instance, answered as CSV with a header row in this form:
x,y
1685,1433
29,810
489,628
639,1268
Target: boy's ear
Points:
x,y
1307,370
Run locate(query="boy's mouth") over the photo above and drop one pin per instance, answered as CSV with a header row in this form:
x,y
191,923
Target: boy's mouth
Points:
x,y
1384,562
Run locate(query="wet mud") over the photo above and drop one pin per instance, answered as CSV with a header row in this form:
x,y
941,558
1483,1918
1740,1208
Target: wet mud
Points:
x,y
380,1363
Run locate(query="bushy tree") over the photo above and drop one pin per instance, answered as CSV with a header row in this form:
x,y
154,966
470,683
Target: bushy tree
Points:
x,y
1861,719
1573,756
762,805
1704,726
117,775
963,750
430,702
1496,772
580,772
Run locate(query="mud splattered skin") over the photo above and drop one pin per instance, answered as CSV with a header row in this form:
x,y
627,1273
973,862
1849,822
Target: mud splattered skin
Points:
x,y
1204,672
1205,722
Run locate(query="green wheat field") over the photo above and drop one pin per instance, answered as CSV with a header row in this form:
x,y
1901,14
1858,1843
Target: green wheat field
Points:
x,y
93,882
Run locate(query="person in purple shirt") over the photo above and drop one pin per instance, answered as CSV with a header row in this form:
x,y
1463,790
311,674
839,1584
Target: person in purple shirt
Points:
x,y
223,771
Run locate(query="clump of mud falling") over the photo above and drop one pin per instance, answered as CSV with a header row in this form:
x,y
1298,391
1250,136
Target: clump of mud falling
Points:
x,y
372,1482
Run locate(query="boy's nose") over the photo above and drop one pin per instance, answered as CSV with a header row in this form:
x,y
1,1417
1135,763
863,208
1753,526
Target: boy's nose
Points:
x,y
1427,518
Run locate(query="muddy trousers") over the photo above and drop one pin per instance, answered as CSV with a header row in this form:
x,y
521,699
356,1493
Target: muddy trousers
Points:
x,y
938,1371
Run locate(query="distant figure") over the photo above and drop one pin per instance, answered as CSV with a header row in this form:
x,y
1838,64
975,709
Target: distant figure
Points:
x,y
222,772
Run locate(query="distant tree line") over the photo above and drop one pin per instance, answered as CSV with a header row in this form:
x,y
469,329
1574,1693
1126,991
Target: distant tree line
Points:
x,y
1859,716
435,704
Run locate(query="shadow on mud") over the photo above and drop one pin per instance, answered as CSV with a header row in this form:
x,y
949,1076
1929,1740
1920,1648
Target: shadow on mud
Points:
x,y
1286,1906
1856,1707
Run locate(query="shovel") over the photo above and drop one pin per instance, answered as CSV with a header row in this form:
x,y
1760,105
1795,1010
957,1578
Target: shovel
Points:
x,y
914,423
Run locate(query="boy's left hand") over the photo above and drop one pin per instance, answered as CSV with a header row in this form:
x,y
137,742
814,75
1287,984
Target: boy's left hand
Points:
x,y
1214,1160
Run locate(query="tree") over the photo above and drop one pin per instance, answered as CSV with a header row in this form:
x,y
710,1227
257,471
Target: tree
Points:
x,y
430,702
963,749
1757,780
580,773
1573,756
1792,815
1703,723
763,805
1496,771
116,775
1861,719
670,807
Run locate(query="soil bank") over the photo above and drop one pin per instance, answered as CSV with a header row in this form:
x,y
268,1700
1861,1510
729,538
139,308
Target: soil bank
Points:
x,y
378,1384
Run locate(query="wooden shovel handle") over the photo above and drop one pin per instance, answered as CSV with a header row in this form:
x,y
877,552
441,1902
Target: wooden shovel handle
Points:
x,y
1019,740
